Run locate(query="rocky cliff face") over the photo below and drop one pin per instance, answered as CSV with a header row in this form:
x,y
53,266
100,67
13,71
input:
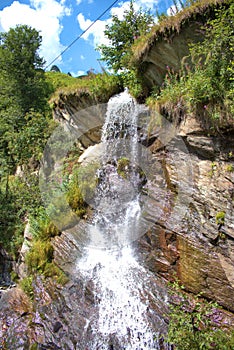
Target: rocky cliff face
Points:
x,y
194,236
5,267
191,237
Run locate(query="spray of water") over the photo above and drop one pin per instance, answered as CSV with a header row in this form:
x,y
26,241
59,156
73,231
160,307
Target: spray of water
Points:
x,y
118,279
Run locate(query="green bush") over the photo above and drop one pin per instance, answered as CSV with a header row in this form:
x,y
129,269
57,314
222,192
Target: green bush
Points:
x,y
122,34
42,227
18,198
135,83
100,87
191,324
26,285
206,87
39,255
81,187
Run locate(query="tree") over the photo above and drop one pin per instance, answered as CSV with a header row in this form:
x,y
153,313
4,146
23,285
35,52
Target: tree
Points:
x,y
23,82
23,86
25,125
121,34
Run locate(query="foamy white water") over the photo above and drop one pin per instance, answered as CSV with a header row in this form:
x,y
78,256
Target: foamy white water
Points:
x,y
122,308
119,282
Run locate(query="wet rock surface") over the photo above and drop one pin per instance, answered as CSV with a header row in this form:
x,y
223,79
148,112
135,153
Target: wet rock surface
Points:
x,y
188,239
65,317
5,267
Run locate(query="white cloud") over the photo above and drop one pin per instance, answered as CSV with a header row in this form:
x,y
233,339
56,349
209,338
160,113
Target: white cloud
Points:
x,y
43,15
78,73
119,11
144,4
147,3
78,2
1,27
96,33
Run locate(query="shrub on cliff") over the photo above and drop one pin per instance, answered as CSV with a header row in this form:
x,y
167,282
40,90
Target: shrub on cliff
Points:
x,y
98,87
39,258
206,87
196,324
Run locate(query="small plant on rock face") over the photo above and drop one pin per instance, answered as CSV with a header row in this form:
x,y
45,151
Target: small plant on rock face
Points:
x,y
123,166
220,218
213,169
81,187
193,324
26,285
39,255
230,168
42,227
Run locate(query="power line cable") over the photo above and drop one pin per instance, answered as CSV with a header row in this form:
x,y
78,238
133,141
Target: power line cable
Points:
x,y
80,35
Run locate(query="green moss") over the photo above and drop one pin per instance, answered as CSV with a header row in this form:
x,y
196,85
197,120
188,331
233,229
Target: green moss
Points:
x,y
123,167
220,217
51,270
14,276
40,260
76,200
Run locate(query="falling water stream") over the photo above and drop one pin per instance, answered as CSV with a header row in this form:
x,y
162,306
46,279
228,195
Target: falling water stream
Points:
x,y
121,286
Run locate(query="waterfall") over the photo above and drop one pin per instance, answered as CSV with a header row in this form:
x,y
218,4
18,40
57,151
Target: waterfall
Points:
x,y
121,286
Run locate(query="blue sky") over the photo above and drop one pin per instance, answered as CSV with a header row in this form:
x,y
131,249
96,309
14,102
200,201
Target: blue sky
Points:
x,y
61,21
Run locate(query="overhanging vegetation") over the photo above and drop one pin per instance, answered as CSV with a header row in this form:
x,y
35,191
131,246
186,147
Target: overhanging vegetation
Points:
x,y
165,29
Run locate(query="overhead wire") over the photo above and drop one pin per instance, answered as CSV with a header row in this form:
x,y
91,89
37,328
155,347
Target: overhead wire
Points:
x,y
80,35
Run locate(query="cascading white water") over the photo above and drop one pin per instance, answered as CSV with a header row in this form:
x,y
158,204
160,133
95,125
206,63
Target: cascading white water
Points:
x,y
118,279
121,322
